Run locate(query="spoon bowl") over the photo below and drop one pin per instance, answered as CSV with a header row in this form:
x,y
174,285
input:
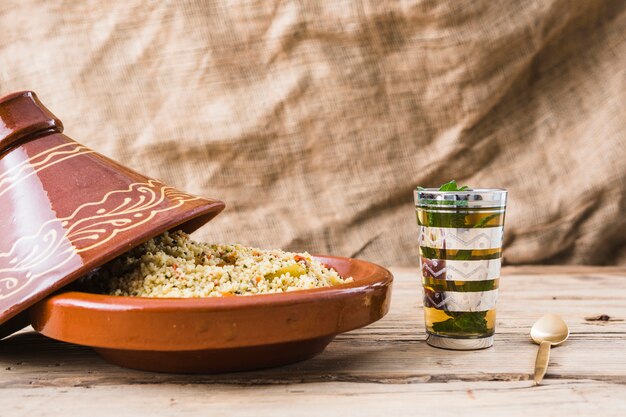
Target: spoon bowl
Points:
x,y
550,328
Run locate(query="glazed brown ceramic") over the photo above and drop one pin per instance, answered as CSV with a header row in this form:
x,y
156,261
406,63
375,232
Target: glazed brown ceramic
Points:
x,y
208,335
67,209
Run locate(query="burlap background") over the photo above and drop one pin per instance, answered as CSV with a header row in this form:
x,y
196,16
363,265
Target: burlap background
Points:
x,y
315,120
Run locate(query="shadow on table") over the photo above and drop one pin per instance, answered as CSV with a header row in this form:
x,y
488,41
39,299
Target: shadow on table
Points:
x,y
34,349
38,358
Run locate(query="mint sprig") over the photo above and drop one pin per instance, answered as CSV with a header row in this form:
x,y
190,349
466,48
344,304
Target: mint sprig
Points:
x,y
452,219
474,322
452,186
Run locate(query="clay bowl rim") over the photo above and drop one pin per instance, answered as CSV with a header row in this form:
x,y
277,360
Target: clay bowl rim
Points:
x,y
187,324
379,276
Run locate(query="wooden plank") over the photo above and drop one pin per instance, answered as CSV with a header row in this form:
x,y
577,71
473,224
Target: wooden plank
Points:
x,y
511,399
386,363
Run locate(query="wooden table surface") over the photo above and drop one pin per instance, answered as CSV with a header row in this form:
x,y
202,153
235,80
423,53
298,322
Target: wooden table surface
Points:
x,y
384,369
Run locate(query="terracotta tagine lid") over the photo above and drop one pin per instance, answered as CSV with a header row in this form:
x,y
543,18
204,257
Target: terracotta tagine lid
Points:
x,y
66,209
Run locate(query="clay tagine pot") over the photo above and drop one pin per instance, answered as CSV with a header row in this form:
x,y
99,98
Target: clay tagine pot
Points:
x,y
67,209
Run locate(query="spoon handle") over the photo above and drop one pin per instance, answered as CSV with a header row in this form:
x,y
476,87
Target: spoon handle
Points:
x,y
541,363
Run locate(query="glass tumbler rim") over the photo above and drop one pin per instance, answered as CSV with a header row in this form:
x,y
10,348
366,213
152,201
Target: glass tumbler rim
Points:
x,y
476,197
466,191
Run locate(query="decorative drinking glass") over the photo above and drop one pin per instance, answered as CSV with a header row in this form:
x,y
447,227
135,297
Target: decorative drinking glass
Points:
x,y
460,240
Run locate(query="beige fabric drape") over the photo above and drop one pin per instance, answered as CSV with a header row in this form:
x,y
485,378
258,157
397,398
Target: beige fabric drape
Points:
x,y
315,120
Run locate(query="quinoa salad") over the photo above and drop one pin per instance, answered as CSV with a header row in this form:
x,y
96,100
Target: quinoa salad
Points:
x,y
173,265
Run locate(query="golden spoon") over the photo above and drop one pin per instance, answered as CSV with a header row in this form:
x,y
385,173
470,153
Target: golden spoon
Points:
x,y
548,331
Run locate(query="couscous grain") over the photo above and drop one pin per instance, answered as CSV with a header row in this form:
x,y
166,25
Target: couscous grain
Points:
x,y
173,265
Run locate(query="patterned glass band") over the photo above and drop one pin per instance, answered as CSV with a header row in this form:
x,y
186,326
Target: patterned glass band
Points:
x,y
460,240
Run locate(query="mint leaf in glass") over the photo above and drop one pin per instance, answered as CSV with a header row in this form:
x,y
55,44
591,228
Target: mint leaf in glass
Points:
x,y
452,186
449,186
486,220
450,219
474,322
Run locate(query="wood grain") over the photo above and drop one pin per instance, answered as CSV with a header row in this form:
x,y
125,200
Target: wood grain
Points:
x,y
385,367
